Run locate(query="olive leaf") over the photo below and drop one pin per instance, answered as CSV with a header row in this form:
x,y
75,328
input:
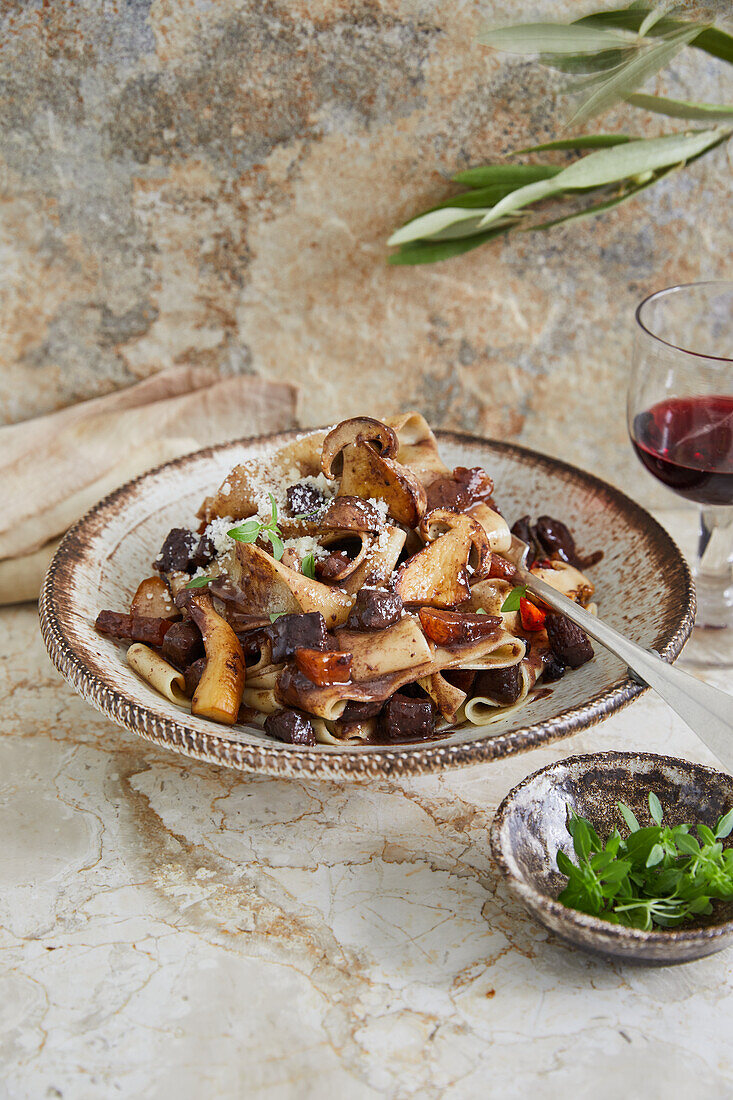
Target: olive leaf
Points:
x,y
607,204
645,155
529,38
617,51
426,252
586,141
711,40
507,174
607,166
630,75
677,108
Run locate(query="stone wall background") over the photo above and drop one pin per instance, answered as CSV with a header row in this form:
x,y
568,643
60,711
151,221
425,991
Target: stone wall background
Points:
x,y
213,181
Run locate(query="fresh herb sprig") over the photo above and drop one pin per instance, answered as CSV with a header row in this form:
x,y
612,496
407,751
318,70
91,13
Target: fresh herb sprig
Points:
x,y
659,875
199,582
607,57
252,529
512,602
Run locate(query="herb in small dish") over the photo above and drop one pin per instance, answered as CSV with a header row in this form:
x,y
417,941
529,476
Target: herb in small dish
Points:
x,y
658,876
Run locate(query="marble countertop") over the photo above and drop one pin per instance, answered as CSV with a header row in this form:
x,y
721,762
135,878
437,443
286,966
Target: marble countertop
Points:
x,y
170,929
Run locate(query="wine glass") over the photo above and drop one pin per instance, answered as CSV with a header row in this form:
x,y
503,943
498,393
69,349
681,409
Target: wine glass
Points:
x,y
680,416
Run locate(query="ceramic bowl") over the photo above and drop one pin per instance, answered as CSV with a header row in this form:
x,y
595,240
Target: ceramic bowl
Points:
x,y
529,828
643,589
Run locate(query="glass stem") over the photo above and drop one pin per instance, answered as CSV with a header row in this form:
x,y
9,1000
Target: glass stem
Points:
x,y
714,568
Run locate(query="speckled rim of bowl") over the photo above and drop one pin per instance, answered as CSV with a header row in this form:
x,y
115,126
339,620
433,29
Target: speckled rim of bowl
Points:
x,y
280,760
600,934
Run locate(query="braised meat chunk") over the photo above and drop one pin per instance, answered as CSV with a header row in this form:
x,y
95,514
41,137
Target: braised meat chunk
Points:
x,y
567,641
406,719
501,685
296,631
290,726
374,610
183,644
304,498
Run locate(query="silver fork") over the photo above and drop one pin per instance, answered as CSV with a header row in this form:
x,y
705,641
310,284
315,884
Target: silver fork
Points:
x,y
706,710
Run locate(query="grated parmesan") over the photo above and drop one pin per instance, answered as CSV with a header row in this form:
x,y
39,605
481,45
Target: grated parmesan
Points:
x,y
217,532
306,545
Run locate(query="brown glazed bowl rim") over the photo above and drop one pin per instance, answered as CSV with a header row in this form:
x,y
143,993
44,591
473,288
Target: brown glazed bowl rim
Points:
x,y
537,901
273,758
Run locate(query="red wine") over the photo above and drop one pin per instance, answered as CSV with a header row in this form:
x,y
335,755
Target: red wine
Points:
x,y
687,443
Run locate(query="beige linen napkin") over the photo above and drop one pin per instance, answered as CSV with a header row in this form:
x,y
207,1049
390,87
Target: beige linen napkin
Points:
x,y
55,467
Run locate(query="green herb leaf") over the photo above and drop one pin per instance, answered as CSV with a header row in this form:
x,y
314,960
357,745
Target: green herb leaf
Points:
x,y
724,826
276,615
655,808
634,158
199,582
710,39
655,856
246,532
308,566
631,74
599,207
629,817
511,603
428,252
587,141
276,542
678,108
427,225
514,175
273,505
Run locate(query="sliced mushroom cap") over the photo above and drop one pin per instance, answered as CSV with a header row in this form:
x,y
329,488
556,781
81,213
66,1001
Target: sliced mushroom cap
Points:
x,y
417,446
440,575
442,520
218,694
366,473
351,514
360,429
267,586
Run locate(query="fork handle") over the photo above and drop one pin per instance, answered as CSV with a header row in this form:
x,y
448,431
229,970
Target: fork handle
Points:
x,y
706,710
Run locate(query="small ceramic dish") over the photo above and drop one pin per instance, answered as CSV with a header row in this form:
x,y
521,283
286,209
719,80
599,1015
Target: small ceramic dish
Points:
x,y
529,828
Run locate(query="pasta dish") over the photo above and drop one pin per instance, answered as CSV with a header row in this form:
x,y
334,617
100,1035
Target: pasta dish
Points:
x,y
350,587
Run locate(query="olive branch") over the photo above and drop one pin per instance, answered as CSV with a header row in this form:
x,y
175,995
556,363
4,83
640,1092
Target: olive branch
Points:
x,y
608,56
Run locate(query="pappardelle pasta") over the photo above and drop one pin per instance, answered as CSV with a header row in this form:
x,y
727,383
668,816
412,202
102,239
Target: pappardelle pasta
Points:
x,y
350,587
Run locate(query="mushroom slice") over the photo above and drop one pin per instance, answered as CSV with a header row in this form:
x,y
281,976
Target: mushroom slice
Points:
x,y
351,547
442,521
268,587
417,446
445,627
360,429
346,513
374,562
368,468
219,692
440,574
495,526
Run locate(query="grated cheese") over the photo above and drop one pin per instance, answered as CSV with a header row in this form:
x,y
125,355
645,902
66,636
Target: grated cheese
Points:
x,y
217,532
306,545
